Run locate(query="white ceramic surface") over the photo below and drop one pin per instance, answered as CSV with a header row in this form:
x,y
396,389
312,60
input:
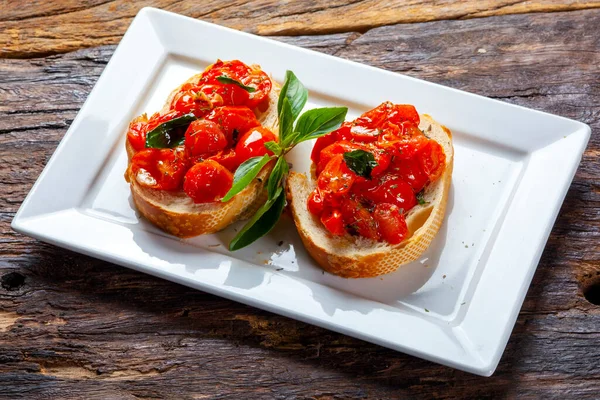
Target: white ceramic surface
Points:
x,y
456,306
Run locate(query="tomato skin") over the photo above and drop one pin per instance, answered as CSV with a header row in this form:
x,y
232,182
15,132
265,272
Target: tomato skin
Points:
x,y
391,223
207,182
333,221
204,137
388,189
157,118
234,120
136,134
190,100
359,219
252,143
411,172
225,95
315,202
433,160
161,169
332,150
320,144
336,178
239,71
227,158
404,112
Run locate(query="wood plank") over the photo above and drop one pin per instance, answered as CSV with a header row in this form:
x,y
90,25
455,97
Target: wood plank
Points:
x,y
49,27
72,326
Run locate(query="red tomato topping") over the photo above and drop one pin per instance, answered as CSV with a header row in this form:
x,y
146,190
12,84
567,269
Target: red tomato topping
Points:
x,y
234,121
252,143
333,221
254,78
225,95
161,169
336,178
207,182
204,137
227,158
373,205
391,222
136,134
190,99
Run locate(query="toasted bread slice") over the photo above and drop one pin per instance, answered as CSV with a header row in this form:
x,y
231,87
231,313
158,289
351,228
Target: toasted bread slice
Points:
x,y
357,257
177,214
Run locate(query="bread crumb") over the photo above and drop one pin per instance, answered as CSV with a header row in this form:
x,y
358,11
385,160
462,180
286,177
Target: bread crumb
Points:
x,y
482,51
444,276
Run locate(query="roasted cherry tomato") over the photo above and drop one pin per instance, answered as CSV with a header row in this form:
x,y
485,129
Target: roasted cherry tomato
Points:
x,y
333,221
225,95
336,179
403,112
433,160
257,79
315,202
411,172
161,169
204,137
156,119
234,120
226,158
207,182
136,134
359,220
391,223
252,143
190,99
388,189
333,150
320,144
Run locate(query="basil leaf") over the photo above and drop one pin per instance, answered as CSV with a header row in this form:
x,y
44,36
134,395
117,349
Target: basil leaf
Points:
x,y
319,121
279,170
274,147
230,81
261,223
286,120
360,162
295,92
421,198
245,173
170,133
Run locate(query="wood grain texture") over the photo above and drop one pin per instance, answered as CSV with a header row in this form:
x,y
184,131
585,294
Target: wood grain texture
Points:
x,y
50,27
75,327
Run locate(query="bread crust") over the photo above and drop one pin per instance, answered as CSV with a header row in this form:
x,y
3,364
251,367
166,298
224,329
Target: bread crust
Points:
x,y
175,213
352,257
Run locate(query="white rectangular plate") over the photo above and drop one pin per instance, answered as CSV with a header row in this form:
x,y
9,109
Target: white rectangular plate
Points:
x,y
455,306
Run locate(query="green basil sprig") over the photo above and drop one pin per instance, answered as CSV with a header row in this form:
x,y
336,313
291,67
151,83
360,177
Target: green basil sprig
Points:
x,y
361,162
230,81
171,133
310,125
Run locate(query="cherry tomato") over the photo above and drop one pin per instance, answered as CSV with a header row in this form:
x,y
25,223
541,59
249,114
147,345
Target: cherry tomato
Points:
x,y
375,117
136,134
225,95
239,71
159,168
190,99
252,143
389,189
333,221
391,222
405,147
433,160
403,112
226,158
411,172
332,150
336,178
234,120
320,144
315,202
382,158
204,137
207,182
359,220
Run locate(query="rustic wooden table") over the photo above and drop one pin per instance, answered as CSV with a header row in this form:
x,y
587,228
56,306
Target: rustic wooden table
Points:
x,y
75,327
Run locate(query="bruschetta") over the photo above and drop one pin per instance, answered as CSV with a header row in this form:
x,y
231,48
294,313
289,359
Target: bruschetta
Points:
x,y
377,194
183,157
